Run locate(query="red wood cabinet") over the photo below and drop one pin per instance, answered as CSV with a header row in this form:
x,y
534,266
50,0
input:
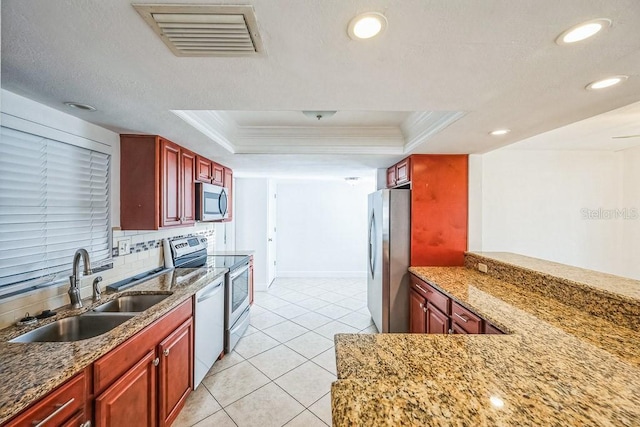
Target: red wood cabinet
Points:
x,y
228,184
132,397
61,406
403,172
217,177
417,313
490,329
176,372
391,177
204,169
437,322
156,183
465,319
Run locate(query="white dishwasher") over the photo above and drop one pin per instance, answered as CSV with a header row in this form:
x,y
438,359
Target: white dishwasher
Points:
x,y
209,328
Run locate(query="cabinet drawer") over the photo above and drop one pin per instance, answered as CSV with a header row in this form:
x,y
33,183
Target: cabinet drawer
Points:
x,y
435,297
57,407
468,321
490,329
115,363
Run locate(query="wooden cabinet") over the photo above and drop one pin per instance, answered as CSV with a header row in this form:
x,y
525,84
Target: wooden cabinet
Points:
x,y
432,312
156,183
148,377
132,397
439,206
204,169
217,176
60,407
417,313
176,372
228,184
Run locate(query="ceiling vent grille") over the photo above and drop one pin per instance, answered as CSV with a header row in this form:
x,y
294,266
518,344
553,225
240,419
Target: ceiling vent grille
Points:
x,y
204,30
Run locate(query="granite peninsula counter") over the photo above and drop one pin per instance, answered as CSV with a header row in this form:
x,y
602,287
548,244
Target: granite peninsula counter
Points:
x,y
559,365
29,371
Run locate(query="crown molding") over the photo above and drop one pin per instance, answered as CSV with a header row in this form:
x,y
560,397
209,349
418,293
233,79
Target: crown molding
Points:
x,y
210,123
420,126
318,149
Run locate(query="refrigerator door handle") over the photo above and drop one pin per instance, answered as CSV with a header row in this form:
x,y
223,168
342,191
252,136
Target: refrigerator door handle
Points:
x,y
372,243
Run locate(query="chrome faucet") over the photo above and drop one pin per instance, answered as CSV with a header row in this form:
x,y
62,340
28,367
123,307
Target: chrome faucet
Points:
x,y
74,289
97,295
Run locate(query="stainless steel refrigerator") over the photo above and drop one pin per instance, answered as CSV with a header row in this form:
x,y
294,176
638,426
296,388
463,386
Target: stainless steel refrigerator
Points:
x,y
389,257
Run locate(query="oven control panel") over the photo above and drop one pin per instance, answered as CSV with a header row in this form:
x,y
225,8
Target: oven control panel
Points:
x,y
187,245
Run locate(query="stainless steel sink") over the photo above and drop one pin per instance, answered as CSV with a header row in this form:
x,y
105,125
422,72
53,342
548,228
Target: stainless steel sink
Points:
x,y
131,303
74,328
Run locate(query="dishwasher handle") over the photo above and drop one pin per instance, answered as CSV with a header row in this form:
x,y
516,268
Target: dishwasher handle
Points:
x,y
210,292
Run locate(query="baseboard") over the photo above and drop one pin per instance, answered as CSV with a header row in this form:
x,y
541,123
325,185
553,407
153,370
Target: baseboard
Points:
x,y
336,274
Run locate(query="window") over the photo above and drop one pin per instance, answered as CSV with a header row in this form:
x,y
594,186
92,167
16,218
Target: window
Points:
x,y
54,199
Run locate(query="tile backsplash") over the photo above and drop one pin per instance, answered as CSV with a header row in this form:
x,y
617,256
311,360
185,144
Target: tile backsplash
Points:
x,y
145,253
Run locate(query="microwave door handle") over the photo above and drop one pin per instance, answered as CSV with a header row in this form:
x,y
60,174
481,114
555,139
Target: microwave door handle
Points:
x,y
222,194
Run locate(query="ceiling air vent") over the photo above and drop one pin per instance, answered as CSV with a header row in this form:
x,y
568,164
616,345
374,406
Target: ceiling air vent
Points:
x,y
204,30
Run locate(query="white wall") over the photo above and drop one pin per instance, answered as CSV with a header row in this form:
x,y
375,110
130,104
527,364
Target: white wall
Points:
x,y
322,228
630,239
532,203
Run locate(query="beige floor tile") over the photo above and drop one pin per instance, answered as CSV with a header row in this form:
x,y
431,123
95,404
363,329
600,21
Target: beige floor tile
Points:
x,y
314,291
331,297
219,419
312,320
277,361
236,382
266,320
285,331
290,311
294,296
266,407
333,311
357,320
250,330
306,383
310,344
370,330
227,361
199,405
257,310
352,303
271,302
335,327
312,303
322,408
327,360
254,344
306,419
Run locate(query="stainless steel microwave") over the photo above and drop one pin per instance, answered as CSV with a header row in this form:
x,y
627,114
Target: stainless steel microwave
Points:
x,y
211,202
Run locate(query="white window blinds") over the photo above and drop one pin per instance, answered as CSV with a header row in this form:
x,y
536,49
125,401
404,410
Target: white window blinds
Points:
x,y
54,199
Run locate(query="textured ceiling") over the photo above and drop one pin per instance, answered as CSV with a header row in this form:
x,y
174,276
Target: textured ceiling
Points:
x,y
494,60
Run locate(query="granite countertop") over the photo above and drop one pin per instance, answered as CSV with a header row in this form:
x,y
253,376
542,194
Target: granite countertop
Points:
x,y
28,371
246,252
557,366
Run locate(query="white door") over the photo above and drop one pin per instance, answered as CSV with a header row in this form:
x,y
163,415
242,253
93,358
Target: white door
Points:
x,y
271,234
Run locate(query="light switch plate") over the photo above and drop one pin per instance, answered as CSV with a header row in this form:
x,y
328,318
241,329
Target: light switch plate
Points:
x,y
124,247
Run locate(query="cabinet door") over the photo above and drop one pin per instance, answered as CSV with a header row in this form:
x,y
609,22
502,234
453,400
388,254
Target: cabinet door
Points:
x,y
457,329
437,322
417,319
176,371
403,172
188,187
171,182
391,177
204,169
228,183
130,399
217,177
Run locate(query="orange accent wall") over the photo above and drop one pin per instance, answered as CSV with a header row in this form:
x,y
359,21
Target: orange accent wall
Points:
x,y
439,208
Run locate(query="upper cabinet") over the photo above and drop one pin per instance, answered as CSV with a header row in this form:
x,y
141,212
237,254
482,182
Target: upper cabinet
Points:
x,y
157,182
228,183
439,206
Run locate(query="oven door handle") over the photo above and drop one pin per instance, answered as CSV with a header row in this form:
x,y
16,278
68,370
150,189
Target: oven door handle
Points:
x,y
210,292
239,271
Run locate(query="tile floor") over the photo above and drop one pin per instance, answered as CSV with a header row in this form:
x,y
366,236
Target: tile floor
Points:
x,y
281,371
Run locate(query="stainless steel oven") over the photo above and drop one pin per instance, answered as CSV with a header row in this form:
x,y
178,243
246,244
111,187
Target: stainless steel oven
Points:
x,y
237,310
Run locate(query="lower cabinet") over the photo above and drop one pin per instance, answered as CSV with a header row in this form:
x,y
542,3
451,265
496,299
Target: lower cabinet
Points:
x,y
432,312
132,397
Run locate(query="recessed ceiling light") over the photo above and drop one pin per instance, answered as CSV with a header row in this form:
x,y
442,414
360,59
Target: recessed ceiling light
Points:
x,y
583,31
318,114
79,106
367,25
499,132
605,83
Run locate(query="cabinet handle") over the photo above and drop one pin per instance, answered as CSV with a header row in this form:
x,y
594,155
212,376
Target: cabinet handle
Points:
x,y
420,287
464,318
156,361
424,309
166,352
421,305
86,424
60,407
450,331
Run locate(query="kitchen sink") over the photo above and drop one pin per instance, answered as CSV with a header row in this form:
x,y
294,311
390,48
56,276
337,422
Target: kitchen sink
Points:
x,y
74,328
131,303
